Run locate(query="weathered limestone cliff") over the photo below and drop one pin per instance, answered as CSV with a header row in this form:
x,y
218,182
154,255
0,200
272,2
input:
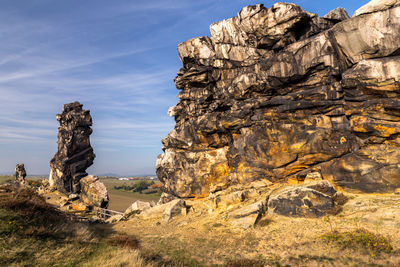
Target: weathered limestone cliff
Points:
x,y
277,93
75,153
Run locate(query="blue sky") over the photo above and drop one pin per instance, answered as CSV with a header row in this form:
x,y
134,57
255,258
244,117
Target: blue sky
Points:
x,y
118,58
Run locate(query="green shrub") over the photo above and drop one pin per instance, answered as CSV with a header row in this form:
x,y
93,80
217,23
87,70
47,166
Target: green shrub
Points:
x,y
360,239
137,187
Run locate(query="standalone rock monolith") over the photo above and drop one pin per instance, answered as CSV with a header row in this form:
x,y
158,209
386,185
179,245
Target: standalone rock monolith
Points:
x,y
75,153
20,173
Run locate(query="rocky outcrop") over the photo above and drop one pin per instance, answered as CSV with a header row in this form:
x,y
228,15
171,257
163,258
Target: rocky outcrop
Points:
x,y
75,153
278,93
20,174
94,192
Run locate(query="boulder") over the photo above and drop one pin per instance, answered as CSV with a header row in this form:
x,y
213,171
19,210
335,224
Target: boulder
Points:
x,y
94,192
74,154
300,202
174,208
248,216
226,200
165,211
137,207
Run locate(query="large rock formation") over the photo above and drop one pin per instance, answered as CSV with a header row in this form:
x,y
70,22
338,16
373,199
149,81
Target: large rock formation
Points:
x,y
75,153
277,93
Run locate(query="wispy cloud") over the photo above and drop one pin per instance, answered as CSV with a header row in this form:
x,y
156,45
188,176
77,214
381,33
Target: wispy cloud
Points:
x,y
118,58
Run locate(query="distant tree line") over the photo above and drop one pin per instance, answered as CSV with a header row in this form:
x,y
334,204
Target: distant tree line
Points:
x,y
141,187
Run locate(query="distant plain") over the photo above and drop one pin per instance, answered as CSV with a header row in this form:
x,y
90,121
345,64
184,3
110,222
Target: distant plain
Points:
x,y
119,200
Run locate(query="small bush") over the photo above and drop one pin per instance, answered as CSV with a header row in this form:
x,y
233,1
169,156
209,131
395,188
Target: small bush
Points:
x,y
150,191
137,187
360,239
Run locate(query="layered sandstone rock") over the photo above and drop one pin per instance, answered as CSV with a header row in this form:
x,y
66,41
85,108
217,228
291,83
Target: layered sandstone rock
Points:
x,y
278,93
94,192
75,153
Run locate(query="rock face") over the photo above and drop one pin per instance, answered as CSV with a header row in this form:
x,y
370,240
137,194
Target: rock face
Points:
x,y
75,153
94,192
376,5
278,93
20,173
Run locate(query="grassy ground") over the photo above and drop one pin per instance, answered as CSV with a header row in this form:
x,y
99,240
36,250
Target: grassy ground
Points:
x,y
32,233
121,200
365,233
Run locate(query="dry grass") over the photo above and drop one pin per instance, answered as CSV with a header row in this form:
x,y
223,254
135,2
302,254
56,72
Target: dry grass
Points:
x,y
33,233
276,241
118,257
200,238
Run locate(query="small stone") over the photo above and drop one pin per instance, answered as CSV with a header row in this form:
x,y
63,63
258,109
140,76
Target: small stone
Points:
x,y
73,196
172,209
79,206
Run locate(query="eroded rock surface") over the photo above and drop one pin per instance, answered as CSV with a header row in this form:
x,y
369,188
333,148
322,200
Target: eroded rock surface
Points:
x,y
311,200
278,93
94,192
137,207
20,173
75,153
